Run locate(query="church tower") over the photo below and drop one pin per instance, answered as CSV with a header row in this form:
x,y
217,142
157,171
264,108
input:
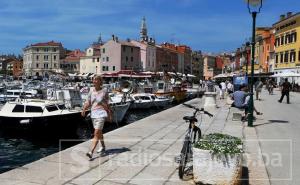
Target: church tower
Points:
x,y
143,32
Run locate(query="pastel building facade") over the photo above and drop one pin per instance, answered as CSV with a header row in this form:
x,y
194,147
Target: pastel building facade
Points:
x,y
287,43
41,59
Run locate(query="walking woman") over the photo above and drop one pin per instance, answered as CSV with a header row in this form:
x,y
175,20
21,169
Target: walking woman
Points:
x,y
98,102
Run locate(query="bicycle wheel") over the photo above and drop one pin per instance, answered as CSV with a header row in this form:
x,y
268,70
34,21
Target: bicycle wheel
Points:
x,y
196,135
183,160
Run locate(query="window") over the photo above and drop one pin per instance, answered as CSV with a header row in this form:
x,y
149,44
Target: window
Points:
x,y
281,57
37,65
126,59
46,49
299,55
124,48
98,59
33,109
51,108
61,106
54,49
286,57
114,68
292,56
107,59
287,38
37,58
131,50
293,37
54,65
282,40
37,49
103,50
131,59
276,42
46,57
18,108
103,68
54,57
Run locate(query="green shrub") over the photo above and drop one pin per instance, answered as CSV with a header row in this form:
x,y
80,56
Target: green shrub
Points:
x,y
220,144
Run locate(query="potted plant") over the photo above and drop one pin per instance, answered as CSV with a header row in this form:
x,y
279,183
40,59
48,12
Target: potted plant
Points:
x,y
217,159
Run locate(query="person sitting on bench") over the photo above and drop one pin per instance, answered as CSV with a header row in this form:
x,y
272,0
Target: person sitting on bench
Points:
x,y
241,100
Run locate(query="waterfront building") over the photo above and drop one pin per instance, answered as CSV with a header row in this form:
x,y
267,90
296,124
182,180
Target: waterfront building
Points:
x,y
41,59
90,63
111,57
117,55
166,57
71,63
209,66
287,43
148,54
180,62
197,64
187,52
12,66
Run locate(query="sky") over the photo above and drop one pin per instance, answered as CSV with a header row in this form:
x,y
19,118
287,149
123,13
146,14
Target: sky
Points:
x,y
207,25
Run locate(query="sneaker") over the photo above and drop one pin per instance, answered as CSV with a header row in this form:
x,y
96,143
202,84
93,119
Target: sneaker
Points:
x,y
89,154
259,113
279,101
101,150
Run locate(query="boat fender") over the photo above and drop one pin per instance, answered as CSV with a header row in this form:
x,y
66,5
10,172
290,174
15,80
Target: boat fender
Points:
x,y
25,121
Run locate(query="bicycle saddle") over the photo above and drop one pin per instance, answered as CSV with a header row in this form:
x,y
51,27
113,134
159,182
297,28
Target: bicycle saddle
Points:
x,y
190,118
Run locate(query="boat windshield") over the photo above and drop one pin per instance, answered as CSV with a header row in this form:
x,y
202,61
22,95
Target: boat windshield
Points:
x,y
51,108
33,109
61,106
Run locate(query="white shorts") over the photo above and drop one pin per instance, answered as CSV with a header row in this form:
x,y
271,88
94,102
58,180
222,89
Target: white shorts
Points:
x,y
98,123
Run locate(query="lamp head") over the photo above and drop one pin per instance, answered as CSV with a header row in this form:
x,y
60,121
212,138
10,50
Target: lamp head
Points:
x,y
254,5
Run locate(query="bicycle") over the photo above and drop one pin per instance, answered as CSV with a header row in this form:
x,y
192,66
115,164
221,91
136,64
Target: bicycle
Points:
x,y
193,135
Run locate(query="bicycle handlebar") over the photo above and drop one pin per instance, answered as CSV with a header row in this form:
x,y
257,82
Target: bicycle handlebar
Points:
x,y
198,110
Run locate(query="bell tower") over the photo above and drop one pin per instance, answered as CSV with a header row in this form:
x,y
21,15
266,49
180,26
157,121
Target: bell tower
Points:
x,y
143,32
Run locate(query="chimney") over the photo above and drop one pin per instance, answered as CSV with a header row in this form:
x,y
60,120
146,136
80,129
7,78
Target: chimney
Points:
x,y
128,39
289,14
113,37
282,17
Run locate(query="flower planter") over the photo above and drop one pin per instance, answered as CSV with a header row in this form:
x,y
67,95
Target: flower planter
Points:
x,y
209,168
217,159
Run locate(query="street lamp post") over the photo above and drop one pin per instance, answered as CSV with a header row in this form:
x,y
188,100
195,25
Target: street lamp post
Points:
x,y
247,57
254,7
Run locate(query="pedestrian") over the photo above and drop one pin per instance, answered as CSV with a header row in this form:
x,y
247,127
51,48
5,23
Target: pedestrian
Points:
x,y
222,90
229,87
210,85
258,88
98,102
271,85
285,91
200,83
241,100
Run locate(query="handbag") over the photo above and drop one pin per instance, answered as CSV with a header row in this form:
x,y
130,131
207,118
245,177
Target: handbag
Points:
x,y
229,101
109,113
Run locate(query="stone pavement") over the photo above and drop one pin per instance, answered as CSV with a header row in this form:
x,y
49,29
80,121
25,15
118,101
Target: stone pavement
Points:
x,y
140,153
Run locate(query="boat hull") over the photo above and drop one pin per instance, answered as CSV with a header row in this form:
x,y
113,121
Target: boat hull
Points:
x,y
45,123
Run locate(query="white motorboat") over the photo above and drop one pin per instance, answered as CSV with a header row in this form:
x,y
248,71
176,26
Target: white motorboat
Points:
x,y
141,101
12,94
147,100
38,114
